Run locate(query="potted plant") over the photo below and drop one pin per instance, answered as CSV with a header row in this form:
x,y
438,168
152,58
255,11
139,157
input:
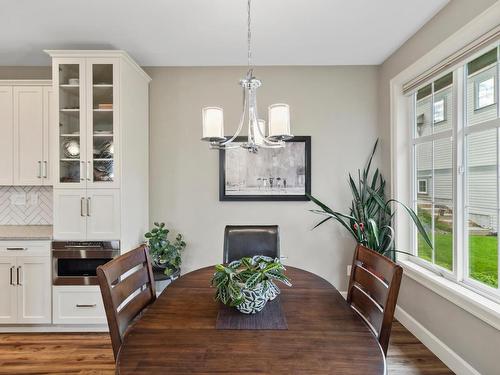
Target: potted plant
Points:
x,y
165,255
369,219
248,283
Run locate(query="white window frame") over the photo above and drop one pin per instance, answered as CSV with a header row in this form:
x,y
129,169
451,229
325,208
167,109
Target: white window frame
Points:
x,y
422,191
459,132
400,117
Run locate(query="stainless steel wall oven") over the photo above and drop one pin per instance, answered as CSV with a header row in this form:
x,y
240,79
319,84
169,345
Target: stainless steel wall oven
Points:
x,y
75,262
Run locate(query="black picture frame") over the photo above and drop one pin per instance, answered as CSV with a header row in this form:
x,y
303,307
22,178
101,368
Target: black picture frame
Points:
x,y
222,177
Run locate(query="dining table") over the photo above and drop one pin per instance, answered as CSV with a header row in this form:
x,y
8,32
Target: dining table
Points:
x,y
177,334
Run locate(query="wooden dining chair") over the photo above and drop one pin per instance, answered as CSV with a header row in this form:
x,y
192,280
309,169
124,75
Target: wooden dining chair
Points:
x,y
249,240
127,288
373,291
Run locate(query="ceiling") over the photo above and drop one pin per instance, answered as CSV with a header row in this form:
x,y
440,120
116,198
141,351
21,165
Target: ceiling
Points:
x,y
213,32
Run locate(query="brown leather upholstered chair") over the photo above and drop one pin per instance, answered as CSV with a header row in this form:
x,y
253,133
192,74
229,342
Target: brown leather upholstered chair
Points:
x,y
373,291
249,240
116,288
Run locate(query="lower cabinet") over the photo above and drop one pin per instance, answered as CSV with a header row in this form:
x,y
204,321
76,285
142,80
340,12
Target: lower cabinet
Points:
x,y
78,304
25,283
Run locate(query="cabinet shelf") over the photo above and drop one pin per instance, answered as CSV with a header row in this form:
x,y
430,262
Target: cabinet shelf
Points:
x,y
103,135
103,110
69,135
103,85
70,109
66,159
68,86
103,159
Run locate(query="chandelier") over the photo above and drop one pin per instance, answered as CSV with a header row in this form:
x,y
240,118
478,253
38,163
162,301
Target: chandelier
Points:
x,y
273,135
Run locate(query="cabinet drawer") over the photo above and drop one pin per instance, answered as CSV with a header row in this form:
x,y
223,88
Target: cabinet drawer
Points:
x,y
78,305
25,248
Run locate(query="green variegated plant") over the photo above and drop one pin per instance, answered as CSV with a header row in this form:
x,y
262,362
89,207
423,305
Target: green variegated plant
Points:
x,y
371,215
246,274
165,254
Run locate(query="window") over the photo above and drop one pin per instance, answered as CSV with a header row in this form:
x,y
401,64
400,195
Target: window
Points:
x,y
456,174
485,93
439,111
422,186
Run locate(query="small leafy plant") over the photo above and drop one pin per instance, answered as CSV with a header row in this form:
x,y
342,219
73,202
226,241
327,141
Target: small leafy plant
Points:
x,y
246,273
164,253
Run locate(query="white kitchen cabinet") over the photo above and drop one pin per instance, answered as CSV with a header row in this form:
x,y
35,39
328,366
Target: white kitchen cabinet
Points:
x,y
70,218
25,282
26,117
103,214
101,140
8,290
6,136
86,214
33,298
49,118
28,127
78,304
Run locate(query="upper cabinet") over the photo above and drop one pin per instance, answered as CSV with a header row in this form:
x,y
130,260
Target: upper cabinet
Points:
x,y
87,122
25,117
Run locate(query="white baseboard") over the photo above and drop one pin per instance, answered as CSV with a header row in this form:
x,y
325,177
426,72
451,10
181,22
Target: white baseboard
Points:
x,y
53,328
451,359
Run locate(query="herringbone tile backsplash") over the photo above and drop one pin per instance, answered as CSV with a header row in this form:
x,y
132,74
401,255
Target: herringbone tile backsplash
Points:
x,y
25,205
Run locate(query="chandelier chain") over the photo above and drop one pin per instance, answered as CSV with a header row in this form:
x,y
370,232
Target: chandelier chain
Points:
x,y
249,33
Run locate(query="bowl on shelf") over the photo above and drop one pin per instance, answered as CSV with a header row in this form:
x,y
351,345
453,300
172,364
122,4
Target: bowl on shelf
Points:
x,y
71,149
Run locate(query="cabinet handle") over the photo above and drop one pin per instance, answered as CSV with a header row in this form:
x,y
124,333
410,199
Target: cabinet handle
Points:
x,y
11,275
17,248
91,306
45,166
39,169
88,170
18,277
88,206
81,171
82,200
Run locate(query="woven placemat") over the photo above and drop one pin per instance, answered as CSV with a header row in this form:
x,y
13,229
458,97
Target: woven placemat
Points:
x,y
271,317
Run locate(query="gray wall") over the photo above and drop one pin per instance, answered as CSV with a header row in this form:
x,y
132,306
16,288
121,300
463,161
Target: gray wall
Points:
x,y
468,336
337,106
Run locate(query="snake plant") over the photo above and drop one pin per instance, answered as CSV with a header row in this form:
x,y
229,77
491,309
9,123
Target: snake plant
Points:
x,y
371,215
246,273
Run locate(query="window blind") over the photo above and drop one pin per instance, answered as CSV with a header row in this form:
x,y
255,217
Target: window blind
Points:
x,y
452,60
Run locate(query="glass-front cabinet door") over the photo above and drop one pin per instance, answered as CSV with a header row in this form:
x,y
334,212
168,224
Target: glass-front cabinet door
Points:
x,y
101,145
71,156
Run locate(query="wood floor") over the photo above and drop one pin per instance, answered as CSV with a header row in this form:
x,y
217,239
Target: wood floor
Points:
x,y
90,353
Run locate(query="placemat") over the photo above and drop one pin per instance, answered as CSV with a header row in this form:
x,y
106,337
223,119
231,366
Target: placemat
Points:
x,y
271,317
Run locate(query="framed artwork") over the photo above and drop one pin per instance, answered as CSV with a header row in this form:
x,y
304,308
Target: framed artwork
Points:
x,y
271,174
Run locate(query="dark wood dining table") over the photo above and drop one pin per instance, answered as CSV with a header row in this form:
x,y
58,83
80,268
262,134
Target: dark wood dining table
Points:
x,y
177,334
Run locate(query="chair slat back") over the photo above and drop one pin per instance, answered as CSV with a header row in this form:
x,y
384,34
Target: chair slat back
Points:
x,y
127,288
373,291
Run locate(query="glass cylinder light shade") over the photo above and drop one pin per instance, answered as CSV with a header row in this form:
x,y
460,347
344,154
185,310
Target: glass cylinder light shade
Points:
x,y
259,136
213,124
279,122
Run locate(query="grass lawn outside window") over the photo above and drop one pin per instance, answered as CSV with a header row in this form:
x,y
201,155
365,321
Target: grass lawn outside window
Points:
x,y
483,253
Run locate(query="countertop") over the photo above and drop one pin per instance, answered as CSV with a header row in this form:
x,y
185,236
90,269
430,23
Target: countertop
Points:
x,y
25,232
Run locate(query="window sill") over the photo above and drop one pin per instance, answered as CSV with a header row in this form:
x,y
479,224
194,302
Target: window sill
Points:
x,y
481,307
